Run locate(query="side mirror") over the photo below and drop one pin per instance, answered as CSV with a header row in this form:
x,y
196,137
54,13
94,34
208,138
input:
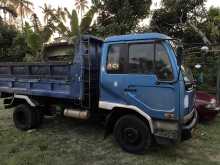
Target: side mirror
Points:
x,y
179,53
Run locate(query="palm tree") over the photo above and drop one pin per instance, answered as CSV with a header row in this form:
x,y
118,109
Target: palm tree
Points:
x,y
81,5
23,7
61,14
7,9
56,18
4,11
47,10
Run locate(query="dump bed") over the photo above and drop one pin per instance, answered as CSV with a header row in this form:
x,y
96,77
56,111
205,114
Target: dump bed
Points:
x,y
68,80
44,79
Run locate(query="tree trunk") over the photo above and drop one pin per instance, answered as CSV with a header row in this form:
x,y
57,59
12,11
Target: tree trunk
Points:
x,y
5,18
201,34
21,12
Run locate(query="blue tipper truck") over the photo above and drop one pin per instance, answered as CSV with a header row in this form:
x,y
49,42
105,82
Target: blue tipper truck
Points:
x,y
135,83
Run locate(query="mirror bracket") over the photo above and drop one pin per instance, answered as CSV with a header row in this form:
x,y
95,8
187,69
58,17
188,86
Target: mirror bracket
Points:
x,y
179,54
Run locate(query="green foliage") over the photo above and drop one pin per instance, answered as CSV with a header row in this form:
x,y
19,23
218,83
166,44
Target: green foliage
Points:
x,y
58,23
189,37
74,23
16,8
191,22
213,24
7,33
19,48
26,45
87,20
173,16
81,5
120,16
33,39
56,19
12,44
9,9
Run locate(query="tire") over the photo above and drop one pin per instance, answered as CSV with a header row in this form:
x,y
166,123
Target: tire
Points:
x,y
24,117
186,135
132,134
38,117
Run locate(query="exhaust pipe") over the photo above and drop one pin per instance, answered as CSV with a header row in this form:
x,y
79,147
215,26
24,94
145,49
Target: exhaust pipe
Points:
x,y
84,115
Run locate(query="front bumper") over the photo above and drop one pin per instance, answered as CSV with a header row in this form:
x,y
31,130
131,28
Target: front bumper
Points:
x,y
176,131
217,109
190,120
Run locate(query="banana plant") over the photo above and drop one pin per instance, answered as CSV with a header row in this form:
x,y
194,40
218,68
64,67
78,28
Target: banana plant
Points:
x,y
36,36
75,28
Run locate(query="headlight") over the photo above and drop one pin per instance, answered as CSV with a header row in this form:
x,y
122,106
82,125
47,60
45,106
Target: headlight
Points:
x,y
213,101
186,101
212,104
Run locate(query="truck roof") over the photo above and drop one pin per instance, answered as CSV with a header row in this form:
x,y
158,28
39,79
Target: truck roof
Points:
x,y
131,37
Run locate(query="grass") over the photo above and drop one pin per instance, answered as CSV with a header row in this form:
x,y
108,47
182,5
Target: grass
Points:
x,y
70,142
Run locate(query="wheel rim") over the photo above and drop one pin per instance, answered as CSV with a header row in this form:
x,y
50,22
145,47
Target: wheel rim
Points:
x,y
131,136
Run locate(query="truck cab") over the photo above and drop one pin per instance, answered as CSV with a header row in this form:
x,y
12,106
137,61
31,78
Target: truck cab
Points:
x,y
140,75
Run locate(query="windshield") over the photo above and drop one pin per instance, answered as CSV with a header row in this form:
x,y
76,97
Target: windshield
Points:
x,y
186,71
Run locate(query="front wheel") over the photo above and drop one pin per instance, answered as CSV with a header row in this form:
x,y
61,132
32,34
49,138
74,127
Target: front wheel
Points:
x,y
132,134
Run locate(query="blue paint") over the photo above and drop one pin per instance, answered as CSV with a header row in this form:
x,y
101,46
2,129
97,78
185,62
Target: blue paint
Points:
x,y
68,80
155,100
135,37
56,79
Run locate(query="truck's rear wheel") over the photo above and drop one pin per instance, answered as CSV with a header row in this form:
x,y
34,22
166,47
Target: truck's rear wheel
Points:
x,y
24,117
132,134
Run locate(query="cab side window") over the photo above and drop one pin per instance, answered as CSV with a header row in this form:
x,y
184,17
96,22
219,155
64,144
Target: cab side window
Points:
x,y
141,58
116,59
163,68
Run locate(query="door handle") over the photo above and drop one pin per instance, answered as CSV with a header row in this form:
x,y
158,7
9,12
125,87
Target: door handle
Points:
x,y
157,83
163,82
130,90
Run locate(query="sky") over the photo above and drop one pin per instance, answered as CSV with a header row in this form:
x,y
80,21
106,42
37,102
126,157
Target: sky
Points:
x,y
70,4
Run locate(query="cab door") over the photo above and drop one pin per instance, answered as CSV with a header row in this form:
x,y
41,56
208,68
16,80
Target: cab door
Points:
x,y
141,74
150,81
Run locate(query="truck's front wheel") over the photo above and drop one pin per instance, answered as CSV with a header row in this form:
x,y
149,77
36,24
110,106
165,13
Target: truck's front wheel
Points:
x,y
25,117
132,134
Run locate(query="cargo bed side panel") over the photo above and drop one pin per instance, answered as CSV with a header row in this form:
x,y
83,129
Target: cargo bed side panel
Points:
x,y
59,80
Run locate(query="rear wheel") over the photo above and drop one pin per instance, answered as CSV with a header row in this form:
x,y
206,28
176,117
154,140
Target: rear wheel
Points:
x,y
132,134
24,117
